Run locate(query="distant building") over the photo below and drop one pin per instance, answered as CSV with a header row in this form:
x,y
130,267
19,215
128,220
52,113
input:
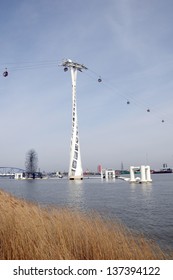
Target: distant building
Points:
x,y
19,175
99,168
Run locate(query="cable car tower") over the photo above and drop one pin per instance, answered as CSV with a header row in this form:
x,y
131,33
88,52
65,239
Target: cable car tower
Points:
x,y
75,167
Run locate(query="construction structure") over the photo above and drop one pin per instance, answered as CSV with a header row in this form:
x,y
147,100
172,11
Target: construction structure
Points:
x,y
107,174
75,166
145,174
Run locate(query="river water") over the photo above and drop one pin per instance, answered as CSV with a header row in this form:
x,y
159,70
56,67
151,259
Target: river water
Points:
x,y
147,208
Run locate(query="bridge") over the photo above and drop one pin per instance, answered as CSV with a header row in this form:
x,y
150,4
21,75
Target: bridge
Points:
x,y
10,171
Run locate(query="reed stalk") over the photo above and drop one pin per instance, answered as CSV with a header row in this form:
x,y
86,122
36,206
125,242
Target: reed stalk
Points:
x,y
30,232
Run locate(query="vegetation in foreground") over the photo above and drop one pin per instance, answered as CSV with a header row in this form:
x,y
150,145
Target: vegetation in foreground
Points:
x,y
28,232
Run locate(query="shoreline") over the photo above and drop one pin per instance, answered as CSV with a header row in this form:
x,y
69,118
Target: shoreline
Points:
x,y
31,232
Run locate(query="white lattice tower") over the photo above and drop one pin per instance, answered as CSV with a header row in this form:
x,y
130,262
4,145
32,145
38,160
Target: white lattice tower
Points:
x,y
75,166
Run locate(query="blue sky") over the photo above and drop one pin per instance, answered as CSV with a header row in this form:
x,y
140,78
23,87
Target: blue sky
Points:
x,y
129,43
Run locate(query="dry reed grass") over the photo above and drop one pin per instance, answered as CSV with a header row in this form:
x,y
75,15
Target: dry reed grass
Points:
x,y
28,232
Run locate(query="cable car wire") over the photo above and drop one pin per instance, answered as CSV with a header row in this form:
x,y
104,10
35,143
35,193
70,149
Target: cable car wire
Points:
x,y
28,65
129,98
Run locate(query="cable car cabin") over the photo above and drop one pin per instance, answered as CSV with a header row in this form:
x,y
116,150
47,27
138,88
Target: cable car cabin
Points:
x,y
128,102
65,69
148,110
99,80
5,74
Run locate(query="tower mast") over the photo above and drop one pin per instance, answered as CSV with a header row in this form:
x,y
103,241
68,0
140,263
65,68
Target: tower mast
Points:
x,y
75,166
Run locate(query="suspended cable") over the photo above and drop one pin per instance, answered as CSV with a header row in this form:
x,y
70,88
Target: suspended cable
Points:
x,y
29,65
129,98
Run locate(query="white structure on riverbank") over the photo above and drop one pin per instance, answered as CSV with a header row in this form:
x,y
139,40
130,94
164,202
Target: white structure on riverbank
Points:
x,y
145,174
75,166
19,176
107,174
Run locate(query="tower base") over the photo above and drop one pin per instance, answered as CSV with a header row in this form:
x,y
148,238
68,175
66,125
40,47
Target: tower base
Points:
x,y
76,178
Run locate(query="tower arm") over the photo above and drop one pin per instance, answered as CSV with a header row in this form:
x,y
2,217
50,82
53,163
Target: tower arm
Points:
x,y
69,63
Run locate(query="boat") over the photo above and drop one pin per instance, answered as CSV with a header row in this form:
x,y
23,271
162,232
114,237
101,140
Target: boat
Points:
x,y
163,170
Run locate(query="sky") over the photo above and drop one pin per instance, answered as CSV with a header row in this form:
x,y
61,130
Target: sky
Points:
x,y
128,43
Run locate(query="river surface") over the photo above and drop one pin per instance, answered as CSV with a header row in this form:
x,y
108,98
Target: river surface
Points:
x,y
147,208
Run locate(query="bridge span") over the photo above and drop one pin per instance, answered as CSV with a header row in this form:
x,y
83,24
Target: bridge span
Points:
x,y
10,171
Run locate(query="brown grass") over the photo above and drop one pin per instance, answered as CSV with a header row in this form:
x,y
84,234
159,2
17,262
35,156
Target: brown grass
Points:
x,y
28,232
